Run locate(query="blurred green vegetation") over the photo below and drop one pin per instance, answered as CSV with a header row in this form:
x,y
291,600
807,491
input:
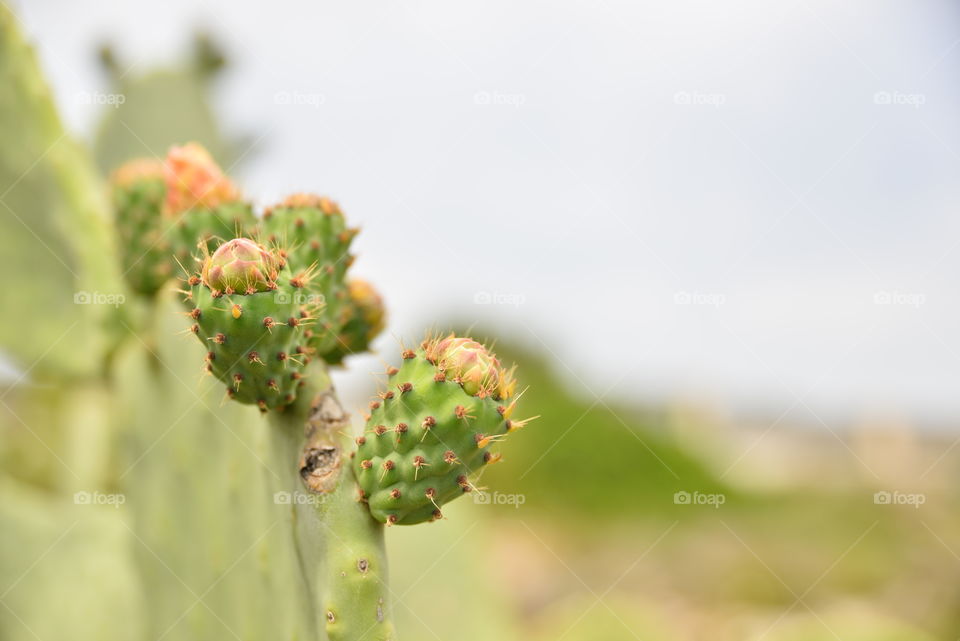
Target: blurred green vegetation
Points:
x,y
580,445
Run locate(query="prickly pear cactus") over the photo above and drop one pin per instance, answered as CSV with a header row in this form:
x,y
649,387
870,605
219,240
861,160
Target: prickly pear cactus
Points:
x,y
248,311
432,429
139,192
266,305
366,318
316,233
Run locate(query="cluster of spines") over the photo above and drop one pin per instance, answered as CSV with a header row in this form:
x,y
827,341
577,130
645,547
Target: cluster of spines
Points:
x,y
426,436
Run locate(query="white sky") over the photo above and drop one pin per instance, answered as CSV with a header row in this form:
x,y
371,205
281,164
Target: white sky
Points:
x,y
621,153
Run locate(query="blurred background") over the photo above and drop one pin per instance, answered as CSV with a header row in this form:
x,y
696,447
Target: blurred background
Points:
x,y
718,238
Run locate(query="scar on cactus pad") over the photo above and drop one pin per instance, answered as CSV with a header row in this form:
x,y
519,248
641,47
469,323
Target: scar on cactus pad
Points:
x,y
250,311
431,430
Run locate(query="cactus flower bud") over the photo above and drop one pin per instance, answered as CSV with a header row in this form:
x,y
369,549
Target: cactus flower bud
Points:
x,y
467,362
194,180
241,266
136,169
369,304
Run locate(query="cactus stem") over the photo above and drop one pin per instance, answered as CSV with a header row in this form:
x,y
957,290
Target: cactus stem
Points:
x,y
341,544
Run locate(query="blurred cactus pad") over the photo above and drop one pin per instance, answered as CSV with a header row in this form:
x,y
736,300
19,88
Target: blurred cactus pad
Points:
x,y
153,109
176,463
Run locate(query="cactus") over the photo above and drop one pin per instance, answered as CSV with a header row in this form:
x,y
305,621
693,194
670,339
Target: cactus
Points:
x,y
320,567
54,218
431,429
264,308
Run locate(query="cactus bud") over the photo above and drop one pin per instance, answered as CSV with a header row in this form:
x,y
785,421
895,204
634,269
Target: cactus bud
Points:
x,y
369,304
135,170
241,266
194,180
467,362
366,318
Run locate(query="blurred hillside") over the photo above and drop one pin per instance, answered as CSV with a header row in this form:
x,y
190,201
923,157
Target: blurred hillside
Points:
x,y
796,547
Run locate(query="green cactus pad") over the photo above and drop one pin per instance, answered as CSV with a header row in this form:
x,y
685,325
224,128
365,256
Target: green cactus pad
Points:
x,y
138,197
256,342
316,239
426,436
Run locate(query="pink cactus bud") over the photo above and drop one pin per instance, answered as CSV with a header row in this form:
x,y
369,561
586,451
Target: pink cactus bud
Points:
x,y
241,266
471,364
194,180
134,170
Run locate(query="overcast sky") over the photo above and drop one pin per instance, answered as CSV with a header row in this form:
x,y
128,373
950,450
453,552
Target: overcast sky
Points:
x,y
748,202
